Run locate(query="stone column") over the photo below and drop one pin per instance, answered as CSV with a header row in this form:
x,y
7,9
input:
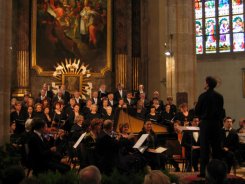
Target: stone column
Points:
x,y
121,36
22,47
181,67
5,68
137,67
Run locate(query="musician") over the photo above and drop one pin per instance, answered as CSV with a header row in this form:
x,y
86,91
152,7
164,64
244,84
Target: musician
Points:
x,y
130,102
42,96
86,110
173,107
146,103
18,116
38,113
45,103
140,111
108,114
191,143
102,109
93,113
107,148
130,160
126,139
66,94
102,93
58,97
47,116
139,91
48,93
229,142
159,108
89,143
153,116
77,129
111,101
156,95
59,116
41,156
29,112
120,93
70,113
79,100
241,128
95,98
184,116
167,117
151,142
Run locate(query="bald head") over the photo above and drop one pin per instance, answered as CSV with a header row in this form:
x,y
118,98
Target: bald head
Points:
x,y
90,175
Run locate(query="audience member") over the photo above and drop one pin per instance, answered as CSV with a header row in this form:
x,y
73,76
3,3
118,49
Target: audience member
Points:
x,y
216,172
156,177
90,175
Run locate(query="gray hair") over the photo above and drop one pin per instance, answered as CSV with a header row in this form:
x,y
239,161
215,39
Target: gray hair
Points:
x,y
28,125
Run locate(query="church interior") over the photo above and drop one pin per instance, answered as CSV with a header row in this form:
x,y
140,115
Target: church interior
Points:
x,y
153,52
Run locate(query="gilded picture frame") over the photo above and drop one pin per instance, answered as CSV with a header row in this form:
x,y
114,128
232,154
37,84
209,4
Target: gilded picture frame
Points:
x,y
99,66
72,82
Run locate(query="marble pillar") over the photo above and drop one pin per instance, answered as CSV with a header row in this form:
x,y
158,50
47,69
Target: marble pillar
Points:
x,y
181,66
5,68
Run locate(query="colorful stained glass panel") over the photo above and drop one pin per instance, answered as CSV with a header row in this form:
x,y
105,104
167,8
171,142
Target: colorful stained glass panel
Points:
x,y
199,45
198,9
210,26
224,43
210,44
237,6
209,8
199,27
223,7
238,23
224,26
238,42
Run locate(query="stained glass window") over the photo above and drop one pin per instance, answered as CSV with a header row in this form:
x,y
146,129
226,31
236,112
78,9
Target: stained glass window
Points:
x,y
219,26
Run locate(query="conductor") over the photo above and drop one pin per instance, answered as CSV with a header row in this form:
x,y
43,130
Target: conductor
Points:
x,y
210,111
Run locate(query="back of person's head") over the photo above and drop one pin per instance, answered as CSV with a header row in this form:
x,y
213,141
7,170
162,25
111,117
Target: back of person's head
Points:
x,y
156,177
13,175
37,124
216,172
108,124
90,175
211,82
30,180
28,125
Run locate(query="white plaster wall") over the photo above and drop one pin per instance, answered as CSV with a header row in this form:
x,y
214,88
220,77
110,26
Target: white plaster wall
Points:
x,y
229,70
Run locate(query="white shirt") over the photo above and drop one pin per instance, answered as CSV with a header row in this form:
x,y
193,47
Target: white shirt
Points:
x,y
195,136
95,101
121,93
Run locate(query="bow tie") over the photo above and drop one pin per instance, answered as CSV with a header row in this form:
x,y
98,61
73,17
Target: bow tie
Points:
x,y
227,130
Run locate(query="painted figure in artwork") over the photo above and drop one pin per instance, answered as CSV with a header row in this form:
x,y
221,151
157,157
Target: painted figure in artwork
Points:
x,y
224,28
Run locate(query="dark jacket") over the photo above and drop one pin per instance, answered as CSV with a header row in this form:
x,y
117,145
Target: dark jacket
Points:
x,y
210,106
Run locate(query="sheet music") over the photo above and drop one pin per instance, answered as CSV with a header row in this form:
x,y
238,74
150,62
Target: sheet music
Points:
x,y
142,149
79,140
158,150
190,128
140,141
